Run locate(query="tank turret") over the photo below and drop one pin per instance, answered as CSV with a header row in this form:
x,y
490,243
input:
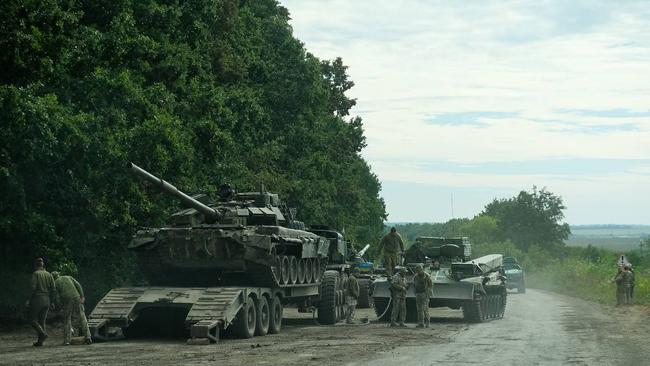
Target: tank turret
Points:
x,y
247,238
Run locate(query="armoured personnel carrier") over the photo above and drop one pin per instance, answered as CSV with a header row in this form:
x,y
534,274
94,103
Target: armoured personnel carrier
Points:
x,y
234,261
477,286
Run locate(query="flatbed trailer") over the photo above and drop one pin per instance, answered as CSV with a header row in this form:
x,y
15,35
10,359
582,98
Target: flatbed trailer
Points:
x,y
242,310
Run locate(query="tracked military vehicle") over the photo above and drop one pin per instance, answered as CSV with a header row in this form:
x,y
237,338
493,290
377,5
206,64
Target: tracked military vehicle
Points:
x,y
233,263
477,286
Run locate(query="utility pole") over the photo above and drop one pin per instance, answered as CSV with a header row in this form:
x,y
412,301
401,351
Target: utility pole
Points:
x,y
452,205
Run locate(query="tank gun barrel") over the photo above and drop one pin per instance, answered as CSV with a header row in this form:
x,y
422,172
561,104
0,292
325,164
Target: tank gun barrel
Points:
x,y
209,212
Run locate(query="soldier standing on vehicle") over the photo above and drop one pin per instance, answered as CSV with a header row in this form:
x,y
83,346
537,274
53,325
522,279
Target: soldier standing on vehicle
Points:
x,y
423,291
352,295
70,301
398,288
392,246
42,292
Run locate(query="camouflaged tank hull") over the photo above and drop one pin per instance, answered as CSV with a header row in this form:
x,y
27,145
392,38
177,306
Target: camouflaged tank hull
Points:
x,y
211,255
477,287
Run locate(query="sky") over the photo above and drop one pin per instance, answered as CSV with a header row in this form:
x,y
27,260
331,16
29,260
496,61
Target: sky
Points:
x,y
467,101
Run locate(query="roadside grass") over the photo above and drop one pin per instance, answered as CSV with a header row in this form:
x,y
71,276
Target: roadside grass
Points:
x,y
588,279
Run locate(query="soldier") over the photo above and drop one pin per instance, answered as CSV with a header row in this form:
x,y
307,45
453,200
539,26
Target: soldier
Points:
x,y
629,266
70,301
423,291
392,245
398,288
620,286
352,295
629,282
42,292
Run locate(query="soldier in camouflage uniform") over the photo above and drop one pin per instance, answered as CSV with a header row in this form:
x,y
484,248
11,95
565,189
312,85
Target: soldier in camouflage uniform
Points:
x,y
392,246
423,291
620,280
629,268
42,294
70,301
398,288
628,282
352,295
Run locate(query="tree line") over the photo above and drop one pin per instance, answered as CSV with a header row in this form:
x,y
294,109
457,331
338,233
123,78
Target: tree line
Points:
x,y
198,92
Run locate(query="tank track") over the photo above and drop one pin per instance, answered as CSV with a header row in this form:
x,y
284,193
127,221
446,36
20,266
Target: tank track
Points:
x,y
491,305
257,274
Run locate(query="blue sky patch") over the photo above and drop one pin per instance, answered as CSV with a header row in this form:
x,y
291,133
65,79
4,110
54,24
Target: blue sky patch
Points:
x,y
466,118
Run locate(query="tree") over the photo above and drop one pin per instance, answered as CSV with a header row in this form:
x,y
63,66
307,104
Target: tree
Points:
x,y
530,219
198,92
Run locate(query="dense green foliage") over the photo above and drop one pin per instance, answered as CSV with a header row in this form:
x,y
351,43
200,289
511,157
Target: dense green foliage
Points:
x,y
585,272
198,92
530,218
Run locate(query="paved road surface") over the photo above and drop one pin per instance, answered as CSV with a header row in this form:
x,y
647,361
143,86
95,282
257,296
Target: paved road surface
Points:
x,y
540,328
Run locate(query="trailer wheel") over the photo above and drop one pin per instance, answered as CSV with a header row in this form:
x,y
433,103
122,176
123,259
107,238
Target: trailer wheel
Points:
x,y
327,306
275,319
263,315
244,324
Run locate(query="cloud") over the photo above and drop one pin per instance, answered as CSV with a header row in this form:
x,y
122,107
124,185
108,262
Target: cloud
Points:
x,y
492,82
465,118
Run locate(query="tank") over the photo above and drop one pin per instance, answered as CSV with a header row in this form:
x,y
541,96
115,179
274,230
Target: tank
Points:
x,y
477,286
239,239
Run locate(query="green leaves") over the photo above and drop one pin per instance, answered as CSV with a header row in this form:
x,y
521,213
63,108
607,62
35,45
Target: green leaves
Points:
x,y
198,92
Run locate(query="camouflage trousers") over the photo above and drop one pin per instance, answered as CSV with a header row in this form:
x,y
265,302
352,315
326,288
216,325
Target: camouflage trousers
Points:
x,y
74,308
422,303
390,261
399,310
38,307
352,306
622,295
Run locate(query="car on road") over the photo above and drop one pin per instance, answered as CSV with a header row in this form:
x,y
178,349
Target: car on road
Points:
x,y
515,274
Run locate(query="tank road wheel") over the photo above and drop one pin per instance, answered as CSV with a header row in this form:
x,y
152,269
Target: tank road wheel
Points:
x,y
307,262
365,300
503,302
263,317
293,269
380,304
275,319
301,270
315,269
284,270
244,324
473,311
327,306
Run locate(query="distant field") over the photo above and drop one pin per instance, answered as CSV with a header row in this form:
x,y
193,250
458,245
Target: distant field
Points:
x,y
613,237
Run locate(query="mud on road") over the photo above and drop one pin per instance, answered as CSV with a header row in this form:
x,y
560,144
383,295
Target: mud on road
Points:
x,y
301,342
540,328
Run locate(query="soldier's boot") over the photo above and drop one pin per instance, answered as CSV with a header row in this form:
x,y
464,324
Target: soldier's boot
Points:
x,y
41,338
42,335
401,324
420,325
392,324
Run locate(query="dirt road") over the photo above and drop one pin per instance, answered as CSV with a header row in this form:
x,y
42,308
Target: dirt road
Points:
x,y
539,329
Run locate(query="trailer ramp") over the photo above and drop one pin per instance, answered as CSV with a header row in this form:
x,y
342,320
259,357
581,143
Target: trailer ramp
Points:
x,y
210,309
